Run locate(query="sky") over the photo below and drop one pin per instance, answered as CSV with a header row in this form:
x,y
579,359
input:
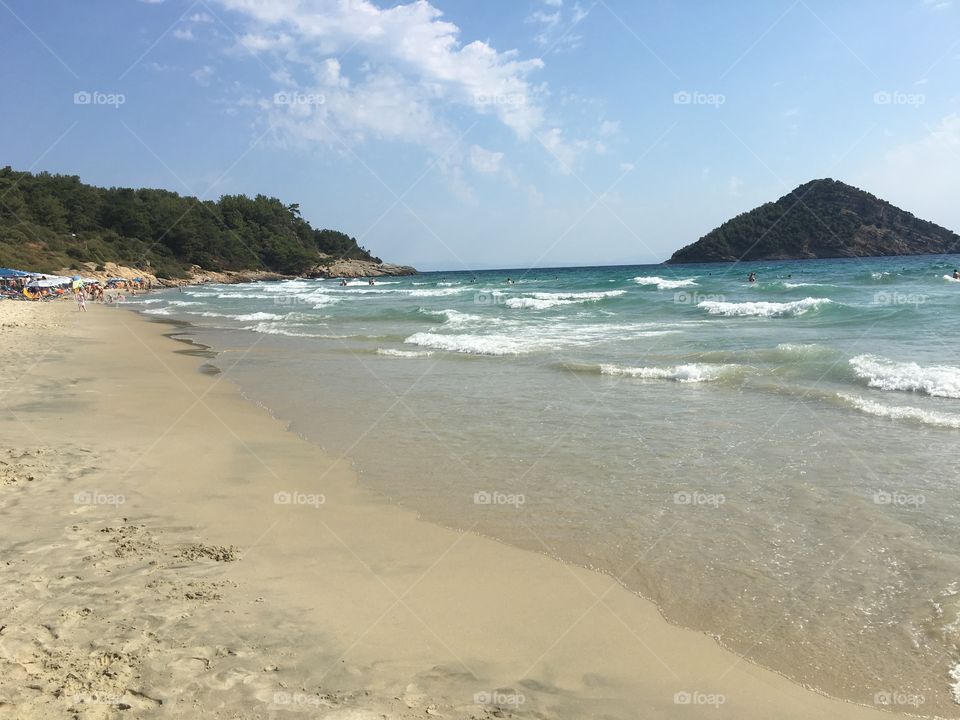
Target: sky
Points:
x,y
471,134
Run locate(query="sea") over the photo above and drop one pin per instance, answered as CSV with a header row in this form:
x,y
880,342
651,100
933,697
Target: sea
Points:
x,y
774,463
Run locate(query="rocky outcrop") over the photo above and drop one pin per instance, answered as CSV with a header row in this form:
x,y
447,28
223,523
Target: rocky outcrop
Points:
x,y
195,275
360,268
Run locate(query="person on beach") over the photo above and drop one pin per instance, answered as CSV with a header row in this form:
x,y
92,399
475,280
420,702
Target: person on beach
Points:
x,y
81,300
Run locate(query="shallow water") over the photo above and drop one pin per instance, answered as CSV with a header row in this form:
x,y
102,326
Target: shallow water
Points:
x,y
773,463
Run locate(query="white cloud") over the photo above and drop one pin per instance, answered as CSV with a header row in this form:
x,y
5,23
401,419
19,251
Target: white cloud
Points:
x,y
485,161
411,39
609,128
556,26
183,33
534,196
409,79
922,176
200,17
203,75
627,167
734,185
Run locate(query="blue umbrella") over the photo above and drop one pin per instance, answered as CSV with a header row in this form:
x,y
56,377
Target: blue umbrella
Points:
x,y
10,272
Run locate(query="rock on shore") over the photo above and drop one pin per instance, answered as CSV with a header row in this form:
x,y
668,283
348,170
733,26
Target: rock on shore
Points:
x,y
360,268
197,275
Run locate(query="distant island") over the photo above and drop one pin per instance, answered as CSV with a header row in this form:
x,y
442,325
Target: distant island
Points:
x,y
56,223
820,219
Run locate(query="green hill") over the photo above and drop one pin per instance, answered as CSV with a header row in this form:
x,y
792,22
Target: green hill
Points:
x,y
52,222
820,219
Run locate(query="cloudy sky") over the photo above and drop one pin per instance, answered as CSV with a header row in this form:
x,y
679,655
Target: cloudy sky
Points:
x,y
493,133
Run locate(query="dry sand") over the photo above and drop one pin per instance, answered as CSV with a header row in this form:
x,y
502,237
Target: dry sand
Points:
x,y
148,570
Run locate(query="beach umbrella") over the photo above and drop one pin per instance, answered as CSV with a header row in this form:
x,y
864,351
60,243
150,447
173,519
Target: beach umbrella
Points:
x,y
11,273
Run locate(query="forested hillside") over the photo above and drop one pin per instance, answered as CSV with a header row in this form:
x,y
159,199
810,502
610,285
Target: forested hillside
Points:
x,y
50,222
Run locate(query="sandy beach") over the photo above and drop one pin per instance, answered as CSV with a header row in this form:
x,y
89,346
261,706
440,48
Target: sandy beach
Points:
x,y
169,549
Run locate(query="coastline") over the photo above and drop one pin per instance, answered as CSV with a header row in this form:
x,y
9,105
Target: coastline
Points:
x,y
200,592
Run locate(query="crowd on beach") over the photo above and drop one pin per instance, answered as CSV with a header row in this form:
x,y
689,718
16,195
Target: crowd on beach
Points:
x,y
21,285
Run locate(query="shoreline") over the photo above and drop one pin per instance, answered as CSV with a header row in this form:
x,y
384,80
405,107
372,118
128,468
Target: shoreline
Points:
x,y
351,603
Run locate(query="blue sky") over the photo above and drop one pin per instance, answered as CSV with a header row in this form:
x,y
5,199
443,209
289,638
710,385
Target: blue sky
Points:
x,y
493,133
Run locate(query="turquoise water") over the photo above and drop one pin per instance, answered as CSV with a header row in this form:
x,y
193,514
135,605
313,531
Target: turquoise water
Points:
x,y
774,463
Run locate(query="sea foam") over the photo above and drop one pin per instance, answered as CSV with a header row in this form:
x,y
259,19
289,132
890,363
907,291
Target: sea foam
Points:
x,y
663,284
688,373
762,309
544,300
475,344
902,412
884,374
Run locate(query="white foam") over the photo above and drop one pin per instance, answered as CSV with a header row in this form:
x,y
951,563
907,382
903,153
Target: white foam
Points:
x,y
902,412
955,685
535,303
884,374
437,292
390,352
544,300
256,316
159,311
951,278
689,373
663,284
270,328
475,344
455,318
806,350
762,309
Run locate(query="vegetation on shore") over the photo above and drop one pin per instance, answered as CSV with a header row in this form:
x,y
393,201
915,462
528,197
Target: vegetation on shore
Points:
x,y
820,219
51,222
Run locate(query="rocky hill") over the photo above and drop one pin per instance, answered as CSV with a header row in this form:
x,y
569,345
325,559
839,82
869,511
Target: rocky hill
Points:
x,y
820,219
